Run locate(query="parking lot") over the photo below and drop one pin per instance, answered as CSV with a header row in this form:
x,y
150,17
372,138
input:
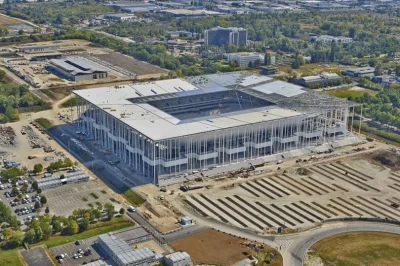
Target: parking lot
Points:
x,y
74,254
64,199
22,207
36,257
302,198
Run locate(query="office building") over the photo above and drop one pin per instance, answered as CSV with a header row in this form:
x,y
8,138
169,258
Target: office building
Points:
x,y
222,36
177,259
244,59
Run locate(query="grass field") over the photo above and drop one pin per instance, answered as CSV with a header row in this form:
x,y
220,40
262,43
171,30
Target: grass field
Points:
x,y
354,249
348,92
133,197
215,248
10,257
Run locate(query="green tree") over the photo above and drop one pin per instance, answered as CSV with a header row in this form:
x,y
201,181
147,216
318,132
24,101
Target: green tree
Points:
x,y
57,226
16,239
35,185
122,211
109,208
43,200
84,225
72,227
37,204
30,236
47,210
38,168
47,230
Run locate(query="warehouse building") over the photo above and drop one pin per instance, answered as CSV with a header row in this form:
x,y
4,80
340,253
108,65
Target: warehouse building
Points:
x,y
37,48
330,78
177,259
361,72
120,17
77,69
122,254
169,128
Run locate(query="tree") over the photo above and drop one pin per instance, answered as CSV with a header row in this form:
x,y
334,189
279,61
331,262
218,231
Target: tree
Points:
x,y
39,190
38,168
21,31
16,239
122,211
14,190
35,185
57,226
43,200
84,225
109,208
30,236
47,230
7,233
267,59
72,227
251,64
47,210
37,205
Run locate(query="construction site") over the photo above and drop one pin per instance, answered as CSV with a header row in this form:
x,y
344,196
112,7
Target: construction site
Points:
x,y
71,63
313,191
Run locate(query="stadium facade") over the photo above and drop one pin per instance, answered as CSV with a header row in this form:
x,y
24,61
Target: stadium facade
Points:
x,y
168,128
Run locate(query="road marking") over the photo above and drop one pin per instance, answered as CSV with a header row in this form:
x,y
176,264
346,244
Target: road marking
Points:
x,y
283,245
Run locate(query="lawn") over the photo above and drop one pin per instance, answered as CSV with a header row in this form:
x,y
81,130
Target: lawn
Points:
x,y
10,257
45,123
117,224
133,197
348,92
354,249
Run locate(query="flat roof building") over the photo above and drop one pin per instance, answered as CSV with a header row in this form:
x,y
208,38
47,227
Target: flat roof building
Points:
x,y
123,254
361,72
318,79
120,17
77,69
37,48
179,13
177,259
244,59
222,36
328,39
167,128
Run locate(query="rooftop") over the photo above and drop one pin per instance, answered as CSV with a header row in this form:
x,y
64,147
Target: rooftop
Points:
x,y
78,65
173,108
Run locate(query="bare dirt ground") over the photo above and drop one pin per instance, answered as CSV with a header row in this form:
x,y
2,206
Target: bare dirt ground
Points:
x,y
211,248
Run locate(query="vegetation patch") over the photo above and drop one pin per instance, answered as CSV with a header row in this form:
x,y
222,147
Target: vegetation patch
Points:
x,y
94,195
387,158
10,257
133,197
395,138
354,249
70,103
44,122
349,93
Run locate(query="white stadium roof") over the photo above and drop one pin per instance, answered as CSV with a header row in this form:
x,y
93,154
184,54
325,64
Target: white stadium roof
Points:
x,y
130,103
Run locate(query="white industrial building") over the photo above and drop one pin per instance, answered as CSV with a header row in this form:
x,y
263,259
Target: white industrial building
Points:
x,y
177,259
243,59
166,129
328,39
120,17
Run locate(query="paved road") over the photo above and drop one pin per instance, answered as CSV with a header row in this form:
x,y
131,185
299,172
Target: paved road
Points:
x,y
294,255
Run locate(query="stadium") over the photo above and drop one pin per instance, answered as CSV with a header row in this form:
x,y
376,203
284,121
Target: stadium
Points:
x,y
167,129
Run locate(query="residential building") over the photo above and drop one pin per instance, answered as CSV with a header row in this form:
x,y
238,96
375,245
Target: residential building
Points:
x,y
244,59
166,129
222,36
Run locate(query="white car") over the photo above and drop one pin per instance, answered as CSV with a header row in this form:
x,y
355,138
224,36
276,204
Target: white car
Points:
x,y
131,209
